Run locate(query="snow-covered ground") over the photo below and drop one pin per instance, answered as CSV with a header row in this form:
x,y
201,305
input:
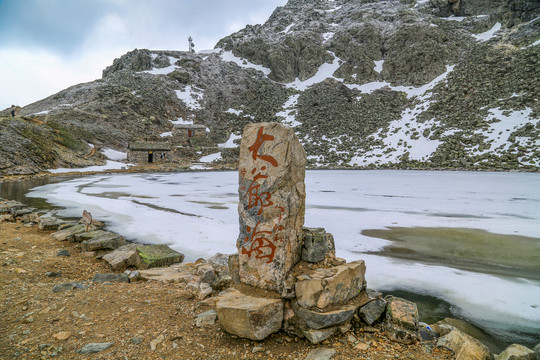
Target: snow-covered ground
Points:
x,y
110,165
198,216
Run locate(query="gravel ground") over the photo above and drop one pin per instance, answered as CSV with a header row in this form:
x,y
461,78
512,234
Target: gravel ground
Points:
x,y
142,320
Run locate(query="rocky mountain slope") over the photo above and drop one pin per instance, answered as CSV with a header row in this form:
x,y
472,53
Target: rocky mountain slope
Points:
x,y
441,84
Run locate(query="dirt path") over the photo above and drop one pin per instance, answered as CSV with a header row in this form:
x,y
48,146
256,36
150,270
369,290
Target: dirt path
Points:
x,y
143,320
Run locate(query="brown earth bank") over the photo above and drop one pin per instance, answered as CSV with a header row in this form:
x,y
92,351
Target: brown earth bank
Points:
x,y
143,320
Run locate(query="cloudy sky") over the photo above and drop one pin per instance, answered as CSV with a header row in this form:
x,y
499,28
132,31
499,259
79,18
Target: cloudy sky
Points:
x,y
48,45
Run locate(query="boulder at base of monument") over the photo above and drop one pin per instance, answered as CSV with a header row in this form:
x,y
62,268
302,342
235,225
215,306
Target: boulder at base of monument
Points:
x,y
249,316
401,322
323,287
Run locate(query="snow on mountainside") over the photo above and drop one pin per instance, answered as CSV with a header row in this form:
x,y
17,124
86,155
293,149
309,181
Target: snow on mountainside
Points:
x,y
405,84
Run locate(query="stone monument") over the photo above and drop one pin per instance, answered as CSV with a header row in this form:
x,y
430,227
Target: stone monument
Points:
x,y
272,204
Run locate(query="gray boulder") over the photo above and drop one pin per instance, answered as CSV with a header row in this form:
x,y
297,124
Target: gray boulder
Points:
x,y
248,316
464,346
101,278
372,311
516,352
105,241
157,255
401,320
317,244
319,320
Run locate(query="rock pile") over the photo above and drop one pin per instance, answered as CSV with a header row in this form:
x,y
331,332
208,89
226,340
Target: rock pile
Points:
x,y
288,276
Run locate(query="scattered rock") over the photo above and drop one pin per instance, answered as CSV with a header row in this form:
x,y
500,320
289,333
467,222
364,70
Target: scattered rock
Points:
x,y
69,233
101,278
68,286
320,354
63,253
316,336
401,321
53,274
206,318
248,316
464,346
157,256
136,340
123,257
177,273
323,287
154,343
516,352
372,311
106,241
62,335
49,223
257,349
95,348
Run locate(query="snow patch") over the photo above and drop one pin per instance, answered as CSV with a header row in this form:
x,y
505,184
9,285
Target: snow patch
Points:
x,y
230,142
110,165
114,154
181,121
165,134
289,112
485,36
229,56
325,71
211,158
378,66
191,96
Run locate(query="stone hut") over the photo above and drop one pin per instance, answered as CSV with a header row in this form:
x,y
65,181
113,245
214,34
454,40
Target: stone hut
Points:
x,y
148,152
185,134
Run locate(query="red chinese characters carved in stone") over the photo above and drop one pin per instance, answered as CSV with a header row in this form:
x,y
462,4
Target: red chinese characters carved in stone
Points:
x,y
254,198
259,243
259,141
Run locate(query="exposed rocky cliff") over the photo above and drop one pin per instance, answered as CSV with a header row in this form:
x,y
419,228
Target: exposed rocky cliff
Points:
x,y
408,84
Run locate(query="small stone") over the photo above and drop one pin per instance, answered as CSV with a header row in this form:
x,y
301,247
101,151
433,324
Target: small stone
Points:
x,y
28,320
53,274
101,278
63,253
154,343
362,346
516,352
317,336
206,318
95,348
136,340
320,354
62,335
68,286
20,271
257,349
44,346
352,339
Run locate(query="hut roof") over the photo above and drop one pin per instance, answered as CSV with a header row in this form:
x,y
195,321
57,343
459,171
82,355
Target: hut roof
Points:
x,y
150,145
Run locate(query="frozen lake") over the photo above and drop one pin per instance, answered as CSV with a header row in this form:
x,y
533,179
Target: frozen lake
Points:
x,y
470,239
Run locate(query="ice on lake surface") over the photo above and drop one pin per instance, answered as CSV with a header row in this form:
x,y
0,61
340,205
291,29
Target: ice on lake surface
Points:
x,y
196,213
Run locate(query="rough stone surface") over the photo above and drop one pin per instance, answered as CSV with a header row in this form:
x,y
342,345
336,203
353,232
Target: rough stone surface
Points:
x,y
248,316
206,318
177,273
49,223
537,351
101,278
319,320
317,243
372,311
401,321
234,268
320,354
272,203
68,286
323,287
89,235
157,255
123,257
317,336
107,241
516,352
69,233
95,348
464,346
